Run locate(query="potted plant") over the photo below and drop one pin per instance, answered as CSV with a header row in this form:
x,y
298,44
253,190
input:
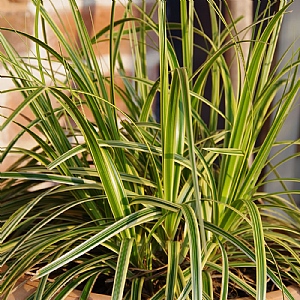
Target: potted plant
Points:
x,y
144,209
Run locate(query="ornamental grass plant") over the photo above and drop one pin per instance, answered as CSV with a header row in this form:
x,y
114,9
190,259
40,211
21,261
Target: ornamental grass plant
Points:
x,y
147,209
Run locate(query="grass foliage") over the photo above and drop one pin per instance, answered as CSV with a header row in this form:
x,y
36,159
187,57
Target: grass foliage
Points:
x,y
144,209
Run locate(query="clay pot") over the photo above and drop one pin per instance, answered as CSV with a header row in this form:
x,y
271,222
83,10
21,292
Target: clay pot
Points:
x,y
277,295
25,287
18,1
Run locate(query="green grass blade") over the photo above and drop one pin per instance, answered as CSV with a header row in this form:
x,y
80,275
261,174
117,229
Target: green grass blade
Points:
x,y
195,250
260,253
136,288
173,263
88,287
187,108
131,220
122,267
225,272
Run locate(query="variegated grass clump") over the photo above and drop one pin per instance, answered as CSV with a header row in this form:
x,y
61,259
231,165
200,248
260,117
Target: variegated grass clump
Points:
x,y
168,209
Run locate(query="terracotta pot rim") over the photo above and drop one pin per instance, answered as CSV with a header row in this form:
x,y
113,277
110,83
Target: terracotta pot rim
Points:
x,y
277,295
26,286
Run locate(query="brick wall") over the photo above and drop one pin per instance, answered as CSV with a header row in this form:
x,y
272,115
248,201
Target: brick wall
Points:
x,y
19,14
